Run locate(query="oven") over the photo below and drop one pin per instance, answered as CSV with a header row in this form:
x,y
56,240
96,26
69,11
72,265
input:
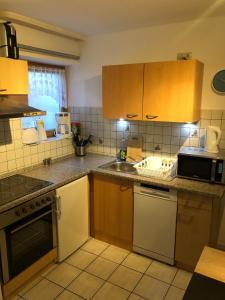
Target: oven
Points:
x,y
27,232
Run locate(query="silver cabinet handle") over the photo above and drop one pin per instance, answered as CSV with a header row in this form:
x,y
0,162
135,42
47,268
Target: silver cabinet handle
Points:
x,y
3,90
149,117
130,116
124,188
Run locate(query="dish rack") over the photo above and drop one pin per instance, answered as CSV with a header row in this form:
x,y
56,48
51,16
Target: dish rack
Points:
x,y
158,167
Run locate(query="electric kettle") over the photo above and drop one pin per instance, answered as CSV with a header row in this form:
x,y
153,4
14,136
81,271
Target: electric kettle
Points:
x,y
213,135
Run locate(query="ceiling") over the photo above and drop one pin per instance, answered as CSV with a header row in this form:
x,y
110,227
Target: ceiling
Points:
x,y
92,17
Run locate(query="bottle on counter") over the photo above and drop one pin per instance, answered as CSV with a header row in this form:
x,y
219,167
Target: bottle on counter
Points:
x,y
41,130
123,150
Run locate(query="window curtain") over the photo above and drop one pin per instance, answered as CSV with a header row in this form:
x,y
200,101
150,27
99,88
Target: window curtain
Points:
x,y
47,81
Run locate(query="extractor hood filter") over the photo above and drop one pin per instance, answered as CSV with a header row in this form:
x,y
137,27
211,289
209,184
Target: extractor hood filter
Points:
x,y
15,106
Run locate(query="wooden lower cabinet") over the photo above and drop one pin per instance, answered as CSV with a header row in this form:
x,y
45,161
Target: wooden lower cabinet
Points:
x,y
112,210
194,219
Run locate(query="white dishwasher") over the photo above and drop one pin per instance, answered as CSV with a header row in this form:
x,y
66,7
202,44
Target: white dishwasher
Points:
x,y
155,211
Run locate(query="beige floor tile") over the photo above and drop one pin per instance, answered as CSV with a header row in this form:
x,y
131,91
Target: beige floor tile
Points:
x,y
48,269
125,278
95,246
102,268
115,254
111,292
135,297
151,288
182,279
66,295
81,259
174,293
85,285
29,285
43,290
137,262
63,274
161,271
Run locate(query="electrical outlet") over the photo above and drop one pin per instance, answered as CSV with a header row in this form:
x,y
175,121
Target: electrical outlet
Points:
x,y
127,128
194,133
184,55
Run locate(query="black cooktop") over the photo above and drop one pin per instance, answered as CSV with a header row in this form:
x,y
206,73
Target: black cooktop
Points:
x,y
17,186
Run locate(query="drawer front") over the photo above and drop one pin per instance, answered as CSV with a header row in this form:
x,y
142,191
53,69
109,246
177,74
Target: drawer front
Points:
x,y
194,200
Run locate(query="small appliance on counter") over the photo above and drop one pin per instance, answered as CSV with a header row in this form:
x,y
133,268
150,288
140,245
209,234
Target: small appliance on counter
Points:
x,y
30,136
63,124
213,136
196,163
8,43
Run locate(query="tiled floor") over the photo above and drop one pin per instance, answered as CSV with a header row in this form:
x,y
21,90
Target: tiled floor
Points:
x,y
100,271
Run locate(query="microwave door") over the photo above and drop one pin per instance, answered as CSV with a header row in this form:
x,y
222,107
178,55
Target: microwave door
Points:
x,y
194,167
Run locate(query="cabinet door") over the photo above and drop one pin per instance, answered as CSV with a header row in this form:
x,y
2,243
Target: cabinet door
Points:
x,y
112,211
13,76
192,233
73,220
172,91
122,91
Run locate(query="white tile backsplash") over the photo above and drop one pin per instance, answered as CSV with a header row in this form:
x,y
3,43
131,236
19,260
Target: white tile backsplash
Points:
x,y
159,138
14,155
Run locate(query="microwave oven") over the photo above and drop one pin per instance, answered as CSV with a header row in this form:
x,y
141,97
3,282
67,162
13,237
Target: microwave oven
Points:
x,y
196,163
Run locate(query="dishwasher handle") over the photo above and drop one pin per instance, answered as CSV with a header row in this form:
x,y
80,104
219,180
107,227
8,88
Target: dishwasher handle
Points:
x,y
155,194
158,192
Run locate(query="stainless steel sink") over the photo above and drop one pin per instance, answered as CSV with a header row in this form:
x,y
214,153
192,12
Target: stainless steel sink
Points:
x,y
120,166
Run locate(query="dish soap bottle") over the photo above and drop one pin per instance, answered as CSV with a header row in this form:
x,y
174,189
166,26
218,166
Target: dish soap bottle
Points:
x,y
123,150
41,130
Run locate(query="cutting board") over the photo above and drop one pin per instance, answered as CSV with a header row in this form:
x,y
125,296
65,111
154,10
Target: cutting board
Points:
x,y
134,149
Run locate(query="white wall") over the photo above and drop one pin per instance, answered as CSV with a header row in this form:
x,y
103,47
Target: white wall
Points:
x,y
204,38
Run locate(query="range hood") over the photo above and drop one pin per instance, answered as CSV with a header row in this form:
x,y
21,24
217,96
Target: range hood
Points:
x,y
15,106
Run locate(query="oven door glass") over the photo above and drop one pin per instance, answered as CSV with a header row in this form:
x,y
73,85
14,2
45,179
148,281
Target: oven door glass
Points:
x,y
28,240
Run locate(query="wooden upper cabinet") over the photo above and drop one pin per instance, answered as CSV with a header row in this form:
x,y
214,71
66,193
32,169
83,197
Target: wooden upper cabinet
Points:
x,y
172,91
122,91
13,76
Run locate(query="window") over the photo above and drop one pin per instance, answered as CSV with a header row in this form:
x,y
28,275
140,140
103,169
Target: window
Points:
x,y
47,91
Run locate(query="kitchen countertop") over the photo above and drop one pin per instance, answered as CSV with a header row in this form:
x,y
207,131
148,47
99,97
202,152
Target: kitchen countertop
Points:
x,y
208,281
212,264
69,169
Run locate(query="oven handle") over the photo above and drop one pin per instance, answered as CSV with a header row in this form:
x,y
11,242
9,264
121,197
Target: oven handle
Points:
x,y
30,222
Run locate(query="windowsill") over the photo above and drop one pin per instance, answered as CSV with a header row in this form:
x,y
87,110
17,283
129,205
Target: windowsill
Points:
x,y
54,138
50,139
